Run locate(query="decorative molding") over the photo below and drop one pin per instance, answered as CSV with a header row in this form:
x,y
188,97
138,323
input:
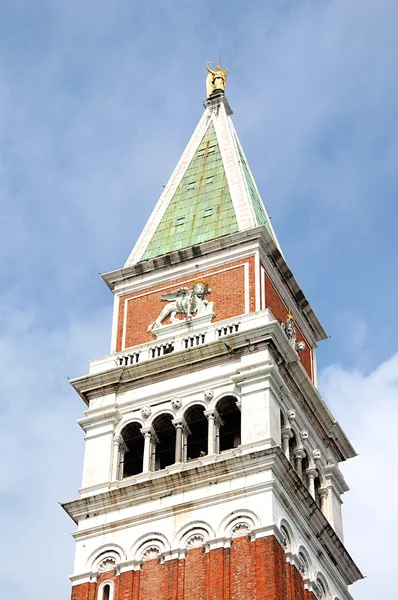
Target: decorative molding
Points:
x,y
107,564
176,403
150,552
146,412
195,541
316,454
240,529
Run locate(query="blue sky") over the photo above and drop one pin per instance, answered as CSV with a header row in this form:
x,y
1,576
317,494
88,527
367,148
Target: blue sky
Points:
x,y
97,102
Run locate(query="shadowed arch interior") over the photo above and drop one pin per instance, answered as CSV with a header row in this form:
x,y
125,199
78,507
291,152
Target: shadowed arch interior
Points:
x,y
198,426
106,592
229,432
165,447
134,450
292,447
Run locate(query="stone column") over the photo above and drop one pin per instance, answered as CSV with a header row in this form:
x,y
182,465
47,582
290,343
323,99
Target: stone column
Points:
x,y
149,438
310,474
298,457
118,447
181,428
286,435
323,494
214,423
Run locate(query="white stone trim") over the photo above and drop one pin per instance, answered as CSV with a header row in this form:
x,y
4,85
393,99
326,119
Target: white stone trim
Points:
x,y
247,287
262,273
100,595
124,332
115,322
243,209
257,288
255,185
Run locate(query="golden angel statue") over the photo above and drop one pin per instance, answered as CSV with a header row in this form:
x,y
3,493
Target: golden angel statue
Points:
x,y
216,80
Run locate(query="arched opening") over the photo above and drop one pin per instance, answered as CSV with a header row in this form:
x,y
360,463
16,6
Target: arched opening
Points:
x,y
322,588
164,448
133,452
106,592
229,432
317,485
292,448
286,541
304,466
198,427
304,564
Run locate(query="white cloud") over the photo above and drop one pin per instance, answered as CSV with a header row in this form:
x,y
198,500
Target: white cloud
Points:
x,y
368,405
97,101
40,444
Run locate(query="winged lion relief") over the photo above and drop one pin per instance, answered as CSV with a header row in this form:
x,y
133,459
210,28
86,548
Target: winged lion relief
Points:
x,y
190,302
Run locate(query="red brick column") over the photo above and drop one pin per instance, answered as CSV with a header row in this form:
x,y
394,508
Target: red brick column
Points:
x,y
216,574
136,585
170,583
151,580
243,569
125,586
81,592
295,584
247,571
181,579
195,580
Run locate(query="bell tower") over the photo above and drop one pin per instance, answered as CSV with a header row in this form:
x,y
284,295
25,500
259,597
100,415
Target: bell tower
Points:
x,y
211,467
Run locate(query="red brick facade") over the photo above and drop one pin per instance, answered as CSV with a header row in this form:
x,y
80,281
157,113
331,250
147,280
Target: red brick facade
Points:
x,y
228,294
228,284
247,571
278,308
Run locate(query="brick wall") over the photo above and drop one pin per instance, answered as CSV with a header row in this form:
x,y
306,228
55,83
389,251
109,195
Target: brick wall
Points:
x,y
228,288
278,308
247,571
228,294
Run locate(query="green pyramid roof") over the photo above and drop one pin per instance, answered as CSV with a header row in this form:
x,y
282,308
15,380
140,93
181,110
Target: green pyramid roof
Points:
x,y
210,194
201,208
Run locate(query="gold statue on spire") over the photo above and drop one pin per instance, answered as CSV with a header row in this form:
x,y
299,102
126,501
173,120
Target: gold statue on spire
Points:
x,y
216,80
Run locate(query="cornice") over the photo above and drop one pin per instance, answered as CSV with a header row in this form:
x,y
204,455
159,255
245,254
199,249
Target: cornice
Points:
x,y
121,378
166,261
292,492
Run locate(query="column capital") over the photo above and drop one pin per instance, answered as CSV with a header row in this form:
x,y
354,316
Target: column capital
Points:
x,y
212,413
298,453
311,472
287,432
149,432
323,492
180,423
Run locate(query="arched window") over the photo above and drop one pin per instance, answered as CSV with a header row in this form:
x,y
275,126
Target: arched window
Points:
x,y
229,431
198,427
105,591
163,452
133,452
